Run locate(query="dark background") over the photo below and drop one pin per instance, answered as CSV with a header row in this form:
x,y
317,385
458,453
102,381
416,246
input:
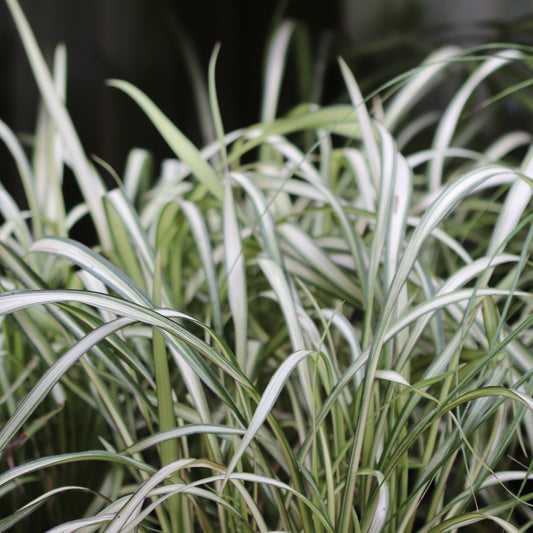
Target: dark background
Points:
x,y
142,42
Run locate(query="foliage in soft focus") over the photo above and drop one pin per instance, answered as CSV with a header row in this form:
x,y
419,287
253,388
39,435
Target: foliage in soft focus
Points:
x,y
318,323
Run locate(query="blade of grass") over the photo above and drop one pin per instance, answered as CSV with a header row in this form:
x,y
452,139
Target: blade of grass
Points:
x,y
180,145
274,68
438,210
365,122
235,275
202,240
25,173
88,180
13,301
53,375
450,118
178,509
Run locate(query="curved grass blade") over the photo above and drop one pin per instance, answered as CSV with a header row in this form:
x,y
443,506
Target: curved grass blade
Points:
x,y
264,215
133,505
285,296
25,173
95,264
179,432
448,123
365,122
215,109
268,398
93,455
124,253
421,78
137,174
179,144
14,220
121,284
12,520
401,200
516,201
88,180
53,375
438,210
337,120
313,255
203,243
446,407
309,173
13,301
379,517
49,155
473,518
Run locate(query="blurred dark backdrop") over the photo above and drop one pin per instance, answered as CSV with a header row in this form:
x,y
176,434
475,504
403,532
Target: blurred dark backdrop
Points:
x,y
142,42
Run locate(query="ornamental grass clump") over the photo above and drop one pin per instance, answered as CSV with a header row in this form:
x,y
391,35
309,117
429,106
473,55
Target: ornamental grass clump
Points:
x,y
319,323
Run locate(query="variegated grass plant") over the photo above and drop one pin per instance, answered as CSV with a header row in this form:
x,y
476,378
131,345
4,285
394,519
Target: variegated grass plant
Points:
x,y
319,323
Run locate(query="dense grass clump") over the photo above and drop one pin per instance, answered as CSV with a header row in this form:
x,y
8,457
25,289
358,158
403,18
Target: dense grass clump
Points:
x,y
318,323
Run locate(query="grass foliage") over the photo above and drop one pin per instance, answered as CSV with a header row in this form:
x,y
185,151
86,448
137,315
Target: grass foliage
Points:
x,y
320,323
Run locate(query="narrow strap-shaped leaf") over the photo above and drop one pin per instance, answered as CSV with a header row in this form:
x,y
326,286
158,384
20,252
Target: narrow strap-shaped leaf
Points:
x,y
450,118
179,144
92,455
472,518
53,375
313,255
438,210
516,201
137,174
95,264
88,180
422,77
205,251
25,173
268,398
275,65
264,215
235,275
15,300
365,122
